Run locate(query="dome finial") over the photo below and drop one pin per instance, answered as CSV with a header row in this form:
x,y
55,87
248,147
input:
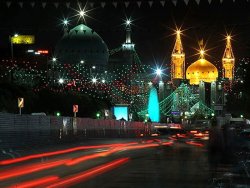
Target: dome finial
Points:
x,y
202,52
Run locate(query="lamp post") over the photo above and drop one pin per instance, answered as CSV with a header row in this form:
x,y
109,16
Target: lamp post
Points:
x,y
11,45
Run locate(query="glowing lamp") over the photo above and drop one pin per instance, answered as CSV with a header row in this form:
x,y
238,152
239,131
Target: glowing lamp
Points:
x,y
82,13
94,80
158,71
61,81
65,22
128,22
202,52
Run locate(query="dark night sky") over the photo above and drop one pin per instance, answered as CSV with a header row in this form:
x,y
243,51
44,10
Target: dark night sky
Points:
x,y
152,27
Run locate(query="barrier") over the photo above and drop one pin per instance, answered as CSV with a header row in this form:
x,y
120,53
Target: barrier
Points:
x,y
25,130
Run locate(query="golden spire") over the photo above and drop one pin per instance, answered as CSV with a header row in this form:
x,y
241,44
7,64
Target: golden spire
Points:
x,y
228,60
178,59
178,49
202,52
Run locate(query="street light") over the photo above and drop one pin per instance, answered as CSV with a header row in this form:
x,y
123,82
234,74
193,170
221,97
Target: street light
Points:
x,y
11,45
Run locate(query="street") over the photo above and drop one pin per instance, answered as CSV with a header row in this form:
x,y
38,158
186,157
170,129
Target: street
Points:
x,y
151,162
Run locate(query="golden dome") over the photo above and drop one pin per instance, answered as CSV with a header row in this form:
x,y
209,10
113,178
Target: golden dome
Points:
x,y
201,70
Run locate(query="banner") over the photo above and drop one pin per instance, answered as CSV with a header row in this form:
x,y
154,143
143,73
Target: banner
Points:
x,y
174,2
198,2
32,4
56,4
186,1
150,3
23,39
21,4
126,4
115,4
139,3
103,3
67,4
163,3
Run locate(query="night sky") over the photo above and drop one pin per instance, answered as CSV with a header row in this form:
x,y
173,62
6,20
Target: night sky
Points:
x,y
152,26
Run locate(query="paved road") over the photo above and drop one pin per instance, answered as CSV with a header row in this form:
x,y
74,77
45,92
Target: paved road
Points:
x,y
132,164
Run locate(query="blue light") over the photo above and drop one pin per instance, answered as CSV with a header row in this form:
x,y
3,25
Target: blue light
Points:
x,y
153,105
121,112
158,71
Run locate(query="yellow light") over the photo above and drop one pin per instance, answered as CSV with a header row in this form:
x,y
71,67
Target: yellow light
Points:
x,y
178,32
228,37
202,52
23,39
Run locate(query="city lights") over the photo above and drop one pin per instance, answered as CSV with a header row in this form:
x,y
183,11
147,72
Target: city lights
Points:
x,y
61,81
94,80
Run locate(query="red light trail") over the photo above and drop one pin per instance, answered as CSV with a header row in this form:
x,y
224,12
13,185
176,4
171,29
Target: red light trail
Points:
x,y
83,176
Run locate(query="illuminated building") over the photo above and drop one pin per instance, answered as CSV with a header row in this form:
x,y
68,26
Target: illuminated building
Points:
x,y
153,105
228,61
201,70
82,44
178,59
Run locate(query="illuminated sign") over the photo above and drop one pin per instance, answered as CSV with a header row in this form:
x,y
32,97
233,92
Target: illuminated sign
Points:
x,y
23,39
177,113
43,51
75,108
120,112
20,102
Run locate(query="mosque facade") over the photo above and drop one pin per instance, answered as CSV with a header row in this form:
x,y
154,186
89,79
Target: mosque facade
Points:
x,y
82,44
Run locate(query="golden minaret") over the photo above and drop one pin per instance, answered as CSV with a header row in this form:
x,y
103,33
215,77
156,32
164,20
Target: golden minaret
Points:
x,y
178,59
228,61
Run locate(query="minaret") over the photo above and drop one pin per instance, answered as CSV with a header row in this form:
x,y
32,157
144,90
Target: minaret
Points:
x,y
128,45
65,26
228,61
178,59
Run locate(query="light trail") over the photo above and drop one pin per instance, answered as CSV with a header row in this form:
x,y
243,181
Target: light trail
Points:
x,y
59,152
195,143
31,168
35,183
83,176
27,169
